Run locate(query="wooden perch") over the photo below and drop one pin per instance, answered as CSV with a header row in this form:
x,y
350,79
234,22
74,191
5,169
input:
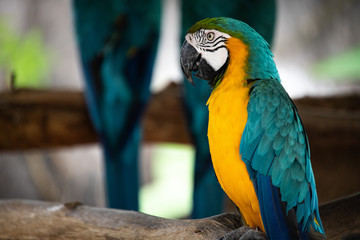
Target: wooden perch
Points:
x,y
24,219
43,220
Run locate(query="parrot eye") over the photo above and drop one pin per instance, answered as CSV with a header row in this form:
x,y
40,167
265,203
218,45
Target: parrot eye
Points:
x,y
210,36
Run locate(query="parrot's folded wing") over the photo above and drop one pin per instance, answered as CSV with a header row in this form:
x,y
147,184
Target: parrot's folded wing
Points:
x,y
275,148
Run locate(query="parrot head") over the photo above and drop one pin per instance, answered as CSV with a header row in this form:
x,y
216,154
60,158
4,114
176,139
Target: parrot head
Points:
x,y
211,44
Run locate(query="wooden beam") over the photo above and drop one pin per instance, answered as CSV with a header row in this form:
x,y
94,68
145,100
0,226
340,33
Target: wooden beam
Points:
x,y
47,119
341,217
165,119
25,219
43,220
43,119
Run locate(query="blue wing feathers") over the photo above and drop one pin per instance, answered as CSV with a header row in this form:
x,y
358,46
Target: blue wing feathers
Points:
x,y
264,146
297,172
276,175
300,149
278,144
274,145
263,167
272,131
273,217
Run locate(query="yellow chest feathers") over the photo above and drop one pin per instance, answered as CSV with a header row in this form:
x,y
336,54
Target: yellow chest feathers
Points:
x,y
227,119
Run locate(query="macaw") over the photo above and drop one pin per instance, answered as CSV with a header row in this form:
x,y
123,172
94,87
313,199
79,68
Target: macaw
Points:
x,y
258,145
117,40
260,14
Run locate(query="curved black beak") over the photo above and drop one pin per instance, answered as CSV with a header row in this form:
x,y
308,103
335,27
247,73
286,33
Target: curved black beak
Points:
x,y
192,61
189,60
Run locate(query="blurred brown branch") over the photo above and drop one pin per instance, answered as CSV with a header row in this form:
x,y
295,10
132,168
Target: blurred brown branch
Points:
x,y
24,219
43,119
47,119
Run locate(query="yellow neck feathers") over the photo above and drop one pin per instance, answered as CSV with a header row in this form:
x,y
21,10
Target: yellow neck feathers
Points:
x,y
227,119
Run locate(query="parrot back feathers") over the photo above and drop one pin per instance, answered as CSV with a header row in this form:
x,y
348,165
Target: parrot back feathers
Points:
x,y
275,148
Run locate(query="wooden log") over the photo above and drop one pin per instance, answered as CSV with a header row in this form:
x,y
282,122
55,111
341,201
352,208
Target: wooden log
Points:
x,y
341,217
165,119
25,219
44,220
43,119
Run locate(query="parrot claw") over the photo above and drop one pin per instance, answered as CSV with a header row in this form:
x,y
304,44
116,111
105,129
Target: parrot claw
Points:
x,y
244,233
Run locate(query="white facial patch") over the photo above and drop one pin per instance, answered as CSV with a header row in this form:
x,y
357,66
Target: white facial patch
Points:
x,y
212,46
216,59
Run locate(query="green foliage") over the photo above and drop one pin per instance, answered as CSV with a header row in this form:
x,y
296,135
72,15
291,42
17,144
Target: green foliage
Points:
x,y
341,67
25,56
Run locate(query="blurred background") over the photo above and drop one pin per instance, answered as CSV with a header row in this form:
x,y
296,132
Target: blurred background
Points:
x,y
316,44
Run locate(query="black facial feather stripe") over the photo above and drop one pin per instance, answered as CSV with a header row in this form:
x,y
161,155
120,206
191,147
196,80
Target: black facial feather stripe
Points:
x,y
213,44
222,37
212,50
200,36
208,46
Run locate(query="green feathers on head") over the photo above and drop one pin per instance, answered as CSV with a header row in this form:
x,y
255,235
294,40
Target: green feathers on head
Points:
x,y
260,63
